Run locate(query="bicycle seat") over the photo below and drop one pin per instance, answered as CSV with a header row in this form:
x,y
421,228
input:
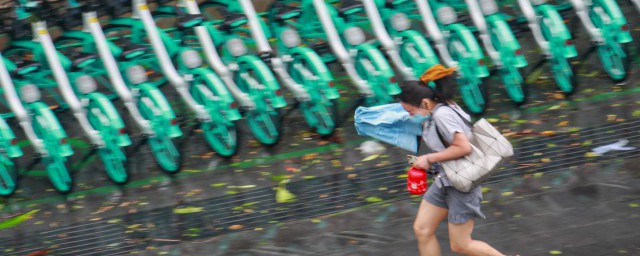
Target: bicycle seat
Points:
x,y
81,59
393,3
190,20
350,7
233,20
287,12
132,51
24,67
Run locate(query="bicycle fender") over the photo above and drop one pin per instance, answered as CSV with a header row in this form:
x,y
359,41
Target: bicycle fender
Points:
x,y
612,8
422,46
468,40
39,54
507,39
215,84
52,125
115,120
381,63
6,136
319,68
266,75
161,103
558,28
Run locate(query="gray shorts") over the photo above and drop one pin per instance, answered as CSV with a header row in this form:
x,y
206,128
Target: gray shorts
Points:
x,y
462,206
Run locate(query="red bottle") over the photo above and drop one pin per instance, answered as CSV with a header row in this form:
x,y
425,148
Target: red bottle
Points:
x,y
417,181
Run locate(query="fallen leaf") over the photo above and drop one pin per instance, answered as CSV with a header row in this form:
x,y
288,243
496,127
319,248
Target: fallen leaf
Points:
x,y
236,227
611,118
507,193
371,157
545,160
555,252
548,133
633,205
39,253
563,123
373,199
15,220
187,210
282,194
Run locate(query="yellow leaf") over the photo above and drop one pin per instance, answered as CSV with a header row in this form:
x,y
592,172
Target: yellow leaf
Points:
x,y
371,157
633,205
508,193
188,210
563,123
538,174
493,120
555,252
14,221
545,160
485,190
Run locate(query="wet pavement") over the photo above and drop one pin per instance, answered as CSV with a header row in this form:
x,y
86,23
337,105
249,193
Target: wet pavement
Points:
x,y
553,197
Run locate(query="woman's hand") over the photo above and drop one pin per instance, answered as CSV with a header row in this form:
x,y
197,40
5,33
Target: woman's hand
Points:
x,y
423,162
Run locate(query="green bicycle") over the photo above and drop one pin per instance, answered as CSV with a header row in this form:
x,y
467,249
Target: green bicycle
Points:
x,y
609,32
553,37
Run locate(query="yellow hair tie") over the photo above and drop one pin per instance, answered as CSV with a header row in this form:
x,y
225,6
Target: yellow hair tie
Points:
x,y
436,72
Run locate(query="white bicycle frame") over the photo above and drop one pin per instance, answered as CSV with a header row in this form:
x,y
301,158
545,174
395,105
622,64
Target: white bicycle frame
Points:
x,y
534,24
92,25
434,31
263,46
214,59
141,11
480,22
41,35
338,48
390,46
582,10
15,104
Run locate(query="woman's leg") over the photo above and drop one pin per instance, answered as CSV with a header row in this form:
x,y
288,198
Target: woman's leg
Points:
x,y
461,242
427,221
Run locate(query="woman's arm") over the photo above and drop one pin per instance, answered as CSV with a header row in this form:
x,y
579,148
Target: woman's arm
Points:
x,y
459,147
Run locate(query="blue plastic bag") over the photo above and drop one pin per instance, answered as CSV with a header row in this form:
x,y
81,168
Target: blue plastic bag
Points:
x,y
391,124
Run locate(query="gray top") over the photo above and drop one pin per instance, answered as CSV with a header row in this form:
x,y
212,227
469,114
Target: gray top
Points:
x,y
448,123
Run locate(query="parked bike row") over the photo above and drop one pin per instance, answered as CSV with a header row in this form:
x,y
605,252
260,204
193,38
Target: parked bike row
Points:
x,y
217,56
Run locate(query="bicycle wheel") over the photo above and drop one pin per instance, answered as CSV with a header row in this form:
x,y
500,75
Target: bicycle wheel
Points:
x,y
58,172
56,164
318,111
223,138
113,159
265,126
615,60
514,84
8,176
614,57
319,117
162,147
564,75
